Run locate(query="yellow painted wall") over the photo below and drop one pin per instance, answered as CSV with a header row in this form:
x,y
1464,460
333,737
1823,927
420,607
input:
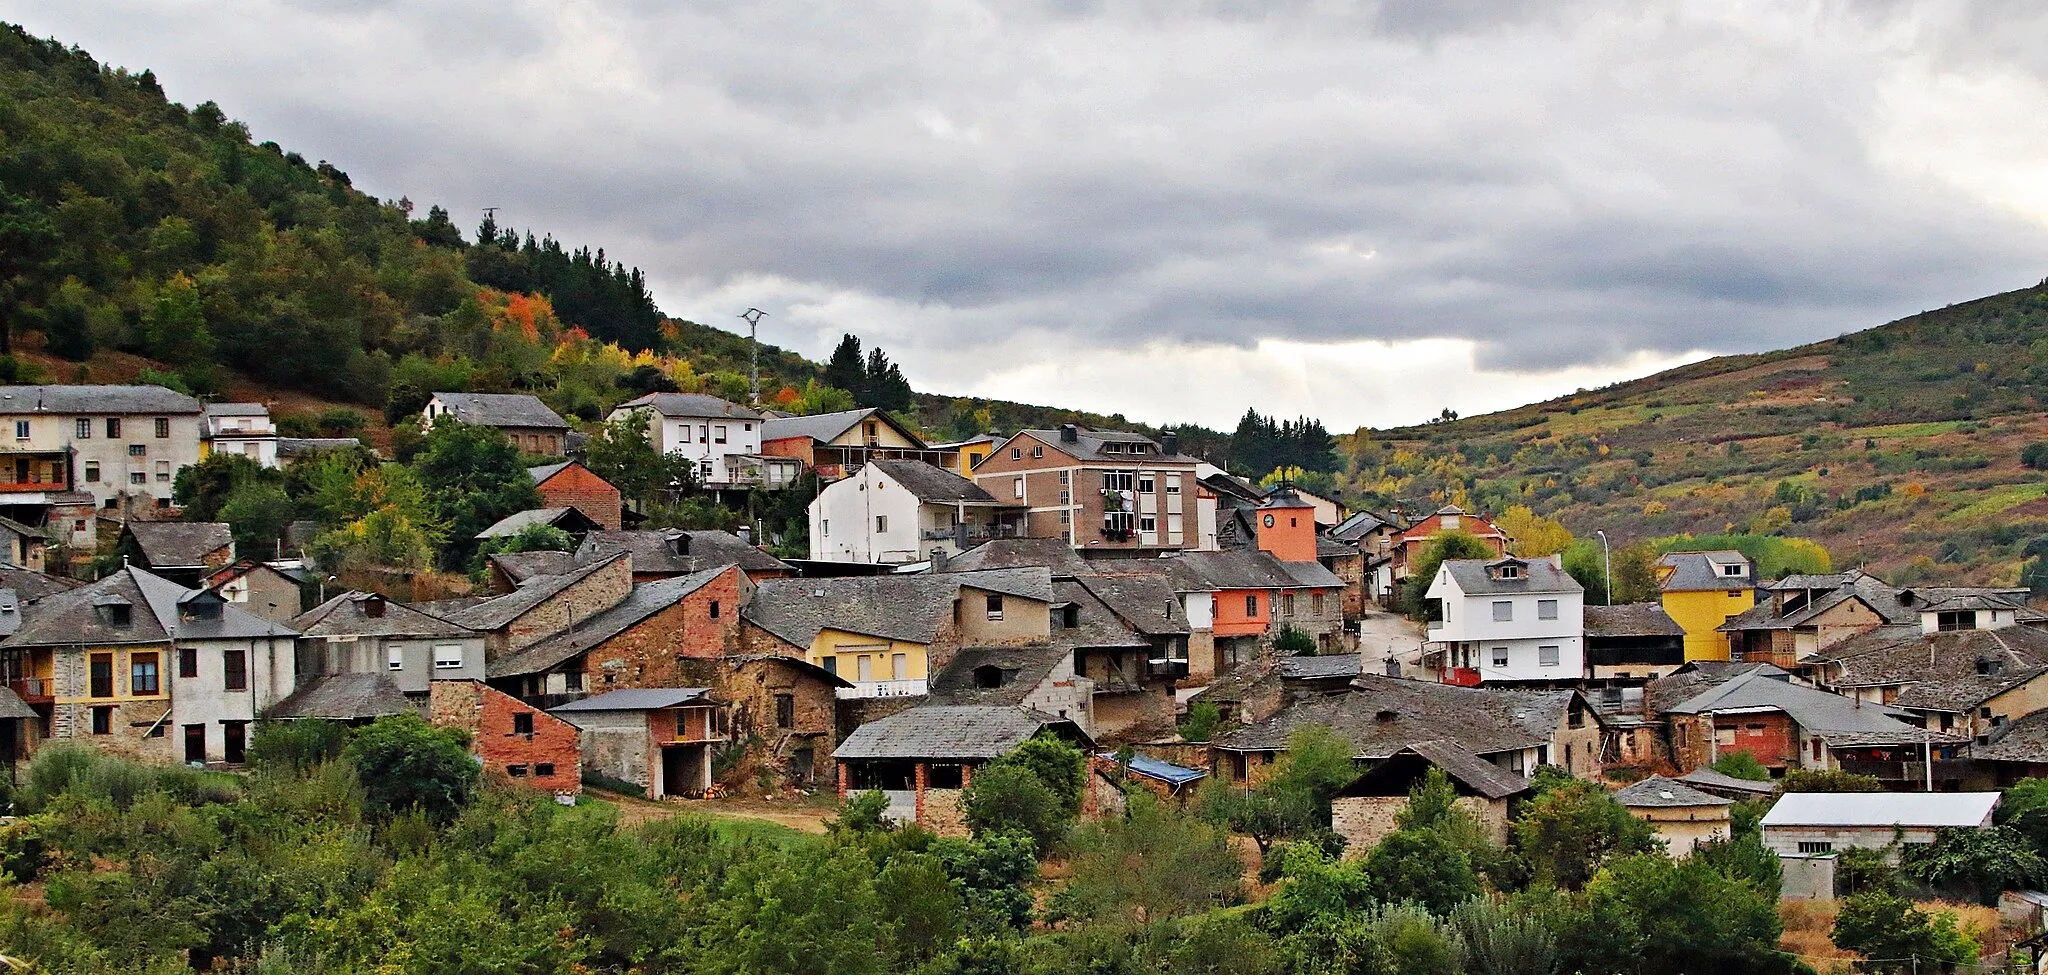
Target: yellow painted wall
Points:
x,y
123,659
1701,612
849,647
971,455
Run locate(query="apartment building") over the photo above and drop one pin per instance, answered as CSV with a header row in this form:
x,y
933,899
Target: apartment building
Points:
x,y
1098,489
116,443
722,438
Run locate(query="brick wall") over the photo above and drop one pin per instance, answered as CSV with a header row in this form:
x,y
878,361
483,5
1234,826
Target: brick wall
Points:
x,y
593,594
648,653
1767,736
488,716
576,487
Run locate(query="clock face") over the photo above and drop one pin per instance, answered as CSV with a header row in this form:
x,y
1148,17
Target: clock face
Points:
x,y
1269,521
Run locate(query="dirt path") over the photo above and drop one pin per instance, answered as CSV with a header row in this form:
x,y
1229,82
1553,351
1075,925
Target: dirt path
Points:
x,y
1382,633
804,817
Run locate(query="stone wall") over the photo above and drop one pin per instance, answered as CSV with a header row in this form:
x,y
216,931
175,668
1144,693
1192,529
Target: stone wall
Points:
x,y
800,752
1365,820
941,811
617,744
857,711
1133,716
550,759
651,652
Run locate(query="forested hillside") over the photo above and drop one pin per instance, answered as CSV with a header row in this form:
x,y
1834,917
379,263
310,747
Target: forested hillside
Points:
x,y
1904,447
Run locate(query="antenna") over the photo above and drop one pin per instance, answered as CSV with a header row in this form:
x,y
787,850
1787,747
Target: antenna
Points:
x,y
753,317
491,212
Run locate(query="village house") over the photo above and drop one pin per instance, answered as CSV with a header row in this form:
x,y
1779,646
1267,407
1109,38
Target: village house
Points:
x,y
1364,812
899,511
1684,817
1252,597
571,521
1820,823
968,452
351,699
121,444
571,485
786,705
1966,681
672,552
837,444
523,419
2011,751
636,640
1036,676
364,633
144,667
1508,620
1406,546
507,570
239,429
1632,642
544,606
1784,725
260,589
923,757
1128,639
1101,490
1703,590
181,551
658,739
1372,534
721,438
1803,615
531,748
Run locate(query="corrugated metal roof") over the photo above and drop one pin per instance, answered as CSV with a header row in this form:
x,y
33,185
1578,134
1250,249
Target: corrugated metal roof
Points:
x,y
1882,809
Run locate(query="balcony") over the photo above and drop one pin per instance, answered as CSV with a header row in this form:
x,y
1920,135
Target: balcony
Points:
x,y
33,690
1888,771
883,688
976,534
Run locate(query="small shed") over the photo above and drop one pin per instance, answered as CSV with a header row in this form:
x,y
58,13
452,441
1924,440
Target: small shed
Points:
x,y
1728,786
1364,811
922,757
1811,823
656,738
1683,816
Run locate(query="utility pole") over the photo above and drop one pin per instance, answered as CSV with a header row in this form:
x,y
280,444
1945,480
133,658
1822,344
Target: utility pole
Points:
x,y
1606,566
753,317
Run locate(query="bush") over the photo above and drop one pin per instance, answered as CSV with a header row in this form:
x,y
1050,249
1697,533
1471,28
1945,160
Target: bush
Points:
x,y
2035,456
1008,798
1742,765
340,421
296,746
1292,641
1201,721
1420,865
406,764
1826,780
1899,937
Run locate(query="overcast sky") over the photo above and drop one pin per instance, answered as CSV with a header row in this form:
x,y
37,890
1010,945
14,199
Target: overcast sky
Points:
x,y
1177,209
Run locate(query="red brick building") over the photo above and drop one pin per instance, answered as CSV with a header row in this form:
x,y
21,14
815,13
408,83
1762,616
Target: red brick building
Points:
x,y
572,485
637,642
523,743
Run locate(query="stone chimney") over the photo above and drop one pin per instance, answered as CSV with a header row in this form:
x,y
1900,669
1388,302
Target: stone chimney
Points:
x,y
1069,433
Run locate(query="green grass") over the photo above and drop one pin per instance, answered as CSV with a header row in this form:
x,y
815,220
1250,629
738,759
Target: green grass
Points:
x,y
739,829
1999,499
1898,430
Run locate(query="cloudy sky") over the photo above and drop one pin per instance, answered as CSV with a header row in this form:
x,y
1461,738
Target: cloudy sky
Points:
x,y
1178,208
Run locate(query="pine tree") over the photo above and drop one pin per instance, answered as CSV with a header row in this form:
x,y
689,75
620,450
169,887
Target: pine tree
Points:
x,y
845,370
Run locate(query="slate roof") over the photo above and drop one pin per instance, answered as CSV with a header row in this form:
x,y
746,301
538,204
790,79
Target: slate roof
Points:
x,y
344,697
566,518
950,731
1837,720
12,706
1475,577
1382,715
657,552
1088,444
1658,792
289,447
2024,739
1882,809
343,615
932,485
1147,604
1630,619
1024,669
1012,553
827,427
1325,667
521,566
29,584
1701,572
646,599
1953,671
179,544
1330,548
897,607
501,410
95,400
1475,773
543,472
499,611
72,616
1894,605
691,405
1694,677
1361,524
638,699
237,409
1240,569
1096,624
1706,778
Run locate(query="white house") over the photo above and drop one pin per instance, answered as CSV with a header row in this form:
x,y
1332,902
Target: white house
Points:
x,y
898,511
113,442
239,428
723,438
1509,620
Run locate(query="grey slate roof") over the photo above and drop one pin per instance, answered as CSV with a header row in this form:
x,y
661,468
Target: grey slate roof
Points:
x,y
344,697
95,400
1023,668
500,611
1147,604
1380,715
29,584
1330,548
930,484
1706,778
1837,720
543,472
1701,571
12,706
237,409
72,616
1475,773
179,544
1241,569
1011,553
638,699
521,566
691,405
1361,524
1088,446
343,615
1658,792
674,551
2024,739
1096,624
1476,577
1631,619
950,731
566,518
646,599
827,427
1953,671
501,410
1325,667
1694,677
898,607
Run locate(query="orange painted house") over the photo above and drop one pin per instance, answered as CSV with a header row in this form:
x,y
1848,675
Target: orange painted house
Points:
x,y
1243,612
1286,526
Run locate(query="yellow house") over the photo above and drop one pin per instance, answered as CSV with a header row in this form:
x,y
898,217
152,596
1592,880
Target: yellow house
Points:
x,y
1701,590
878,666
968,453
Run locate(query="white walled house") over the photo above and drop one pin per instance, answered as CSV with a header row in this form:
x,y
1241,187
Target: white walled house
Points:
x,y
239,428
899,511
722,438
1508,620
113,442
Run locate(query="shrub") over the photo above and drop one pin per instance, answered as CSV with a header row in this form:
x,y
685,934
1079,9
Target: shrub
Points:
x,y
1201,721
1292,641
1899,937
406,764
1006,798
1742,765
2035,456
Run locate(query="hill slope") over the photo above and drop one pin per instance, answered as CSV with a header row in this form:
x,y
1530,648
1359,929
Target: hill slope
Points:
x,y
1897,447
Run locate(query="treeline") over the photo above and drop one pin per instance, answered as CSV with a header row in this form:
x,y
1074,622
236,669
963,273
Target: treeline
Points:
x,y
1262,445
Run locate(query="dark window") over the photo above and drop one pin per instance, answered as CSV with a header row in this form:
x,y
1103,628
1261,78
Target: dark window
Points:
x,y
102,676
142,673
138,450
1816,846
522,723
102,721
544,770
516,771
573,680
785,711
995,606
714,609
113,427
1251,604
234,742
682,725
1070,616
235,669
163,427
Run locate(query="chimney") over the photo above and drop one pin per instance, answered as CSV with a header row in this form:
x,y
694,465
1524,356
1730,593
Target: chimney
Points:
x,y
1169,443
746,533
939,560
373,606
1069,433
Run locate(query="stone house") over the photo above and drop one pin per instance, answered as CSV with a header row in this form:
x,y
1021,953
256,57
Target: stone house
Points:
x,y
923,757
183,552
572,521
638,641
789,705
1039,676
1785,725
674,552
259,589
545,605
1964,681
659,739
1684,817
1364,811
508,570
531,748
523,419
366,633
571,485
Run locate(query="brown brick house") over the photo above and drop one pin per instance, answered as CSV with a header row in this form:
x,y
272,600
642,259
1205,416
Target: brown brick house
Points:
x,y
546,605
572,485
788,705
1098,489
510,737
638,641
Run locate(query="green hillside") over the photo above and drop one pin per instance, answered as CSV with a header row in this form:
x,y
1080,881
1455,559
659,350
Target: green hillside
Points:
x,y
1898,447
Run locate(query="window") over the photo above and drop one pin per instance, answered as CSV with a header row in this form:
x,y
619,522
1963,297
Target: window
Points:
x,y
102,721
1146,483
1546,609
519,771
1724,737
1500,656
1315,603
92,472
1754,730
1148,523
1066,497
1547,656
138,450
448,656
394,658
1016,453
864,668
100,679
899,666
137,477
703,433
718,434
163,470
1957,620
142,674
714,609
163,428
544,770
84,428
881,524
1038,450
1503,611
1116,480
1018,487
1063,477
1816,846
785,710
1173,483
1251,604
522,723
995,607
113,428
235,669
21,429
1287,604
188,662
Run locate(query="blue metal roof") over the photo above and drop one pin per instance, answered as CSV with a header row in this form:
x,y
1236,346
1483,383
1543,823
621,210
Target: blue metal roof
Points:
x,y
1166,772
